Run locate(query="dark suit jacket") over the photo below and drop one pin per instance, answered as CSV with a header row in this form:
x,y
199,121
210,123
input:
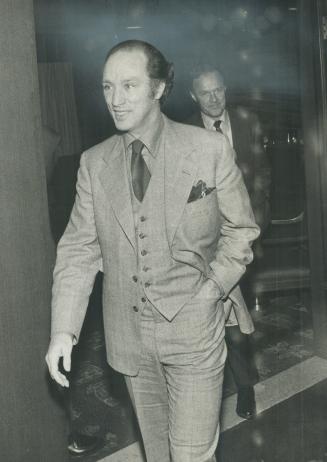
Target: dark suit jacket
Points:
x,y
251,159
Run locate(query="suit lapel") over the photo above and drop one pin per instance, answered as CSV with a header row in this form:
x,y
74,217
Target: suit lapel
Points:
x,y
115,183
241,134
234,128
180,172
196,119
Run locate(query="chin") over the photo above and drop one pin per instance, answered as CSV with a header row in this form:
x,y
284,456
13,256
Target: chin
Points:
x,y
122,126
215,114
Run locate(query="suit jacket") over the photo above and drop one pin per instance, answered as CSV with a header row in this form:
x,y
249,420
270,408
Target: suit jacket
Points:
x,y
250,157
214,233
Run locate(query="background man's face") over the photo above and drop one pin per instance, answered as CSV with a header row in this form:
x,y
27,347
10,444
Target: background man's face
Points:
x,y
127,90
209,92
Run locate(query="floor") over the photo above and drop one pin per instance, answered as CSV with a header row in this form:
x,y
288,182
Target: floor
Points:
x,y
292,431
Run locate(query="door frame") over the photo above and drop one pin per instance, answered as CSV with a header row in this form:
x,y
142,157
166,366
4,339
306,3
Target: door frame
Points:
x,y
314,119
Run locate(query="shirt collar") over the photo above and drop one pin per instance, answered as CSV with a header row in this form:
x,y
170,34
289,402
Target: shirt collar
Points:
x,y
209,121
150,136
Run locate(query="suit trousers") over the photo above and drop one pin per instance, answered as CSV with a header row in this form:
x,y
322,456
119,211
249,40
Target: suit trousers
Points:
x,y
240,357
177,392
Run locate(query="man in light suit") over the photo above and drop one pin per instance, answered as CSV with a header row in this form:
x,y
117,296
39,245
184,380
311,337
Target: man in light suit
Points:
x,y
243,131
162,210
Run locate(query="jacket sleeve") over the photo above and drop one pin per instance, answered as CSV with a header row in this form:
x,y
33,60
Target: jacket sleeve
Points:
x,y
78,261
238,229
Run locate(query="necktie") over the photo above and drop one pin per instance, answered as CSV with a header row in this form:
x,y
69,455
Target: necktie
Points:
x,y
217,126
139,170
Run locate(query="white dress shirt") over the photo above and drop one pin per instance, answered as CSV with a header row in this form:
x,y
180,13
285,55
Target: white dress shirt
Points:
x,y
225,124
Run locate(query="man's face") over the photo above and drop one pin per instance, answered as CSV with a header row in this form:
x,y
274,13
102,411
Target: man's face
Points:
x,y
127,88
209,93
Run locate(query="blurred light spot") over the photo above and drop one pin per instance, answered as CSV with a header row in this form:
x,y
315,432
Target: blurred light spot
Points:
x,y
244,55
137,11
243,113
240,15
134,27
292,8
274,14
257,70
257,438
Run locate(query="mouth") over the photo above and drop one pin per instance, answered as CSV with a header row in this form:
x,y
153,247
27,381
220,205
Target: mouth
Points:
x,y
120,114
215,109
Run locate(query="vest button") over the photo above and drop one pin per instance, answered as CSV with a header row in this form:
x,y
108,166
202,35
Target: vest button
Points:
x,y
142,218
145,268
143,253
134,278
141,235
135,308
143,299
147,284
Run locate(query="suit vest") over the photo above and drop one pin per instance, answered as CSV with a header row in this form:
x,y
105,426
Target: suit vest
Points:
x,y
164,282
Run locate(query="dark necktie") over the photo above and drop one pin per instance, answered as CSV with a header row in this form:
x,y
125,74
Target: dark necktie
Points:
x,y
217,126
139,170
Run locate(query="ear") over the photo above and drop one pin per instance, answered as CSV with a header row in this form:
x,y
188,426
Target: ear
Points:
x,y
159,90
193,96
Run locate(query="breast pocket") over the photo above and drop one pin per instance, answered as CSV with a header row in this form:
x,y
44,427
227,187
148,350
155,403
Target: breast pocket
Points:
x,y
202,219
203,206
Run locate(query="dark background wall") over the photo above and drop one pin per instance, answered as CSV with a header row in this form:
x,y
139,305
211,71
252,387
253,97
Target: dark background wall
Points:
x,y
31,424
255,44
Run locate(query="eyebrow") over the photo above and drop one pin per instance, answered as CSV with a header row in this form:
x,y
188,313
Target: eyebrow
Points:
x,y
131,79
214,89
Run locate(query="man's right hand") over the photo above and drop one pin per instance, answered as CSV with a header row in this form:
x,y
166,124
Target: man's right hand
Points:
x,y
61,346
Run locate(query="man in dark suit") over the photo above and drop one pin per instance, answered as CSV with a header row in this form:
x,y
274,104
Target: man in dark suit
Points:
x,y
162,210
242,129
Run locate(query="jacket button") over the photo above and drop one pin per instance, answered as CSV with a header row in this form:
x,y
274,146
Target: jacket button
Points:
x,y
134,278
142,218
141,235
147,284
145,268
143,253
135,308
143,299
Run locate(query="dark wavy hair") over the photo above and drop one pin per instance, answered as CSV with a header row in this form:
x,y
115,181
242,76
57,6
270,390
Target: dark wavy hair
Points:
x,y
158,68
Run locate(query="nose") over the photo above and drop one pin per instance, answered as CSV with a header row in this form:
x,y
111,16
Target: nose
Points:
x,y
117,97
214,96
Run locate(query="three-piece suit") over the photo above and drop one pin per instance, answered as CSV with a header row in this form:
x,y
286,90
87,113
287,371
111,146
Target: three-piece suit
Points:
x,y
163,328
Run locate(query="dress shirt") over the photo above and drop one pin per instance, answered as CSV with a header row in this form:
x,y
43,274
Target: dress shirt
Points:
x,y
150,137
225,124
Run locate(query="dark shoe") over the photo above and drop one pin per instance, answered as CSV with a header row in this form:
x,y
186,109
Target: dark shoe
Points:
x,y
80,444
246,406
